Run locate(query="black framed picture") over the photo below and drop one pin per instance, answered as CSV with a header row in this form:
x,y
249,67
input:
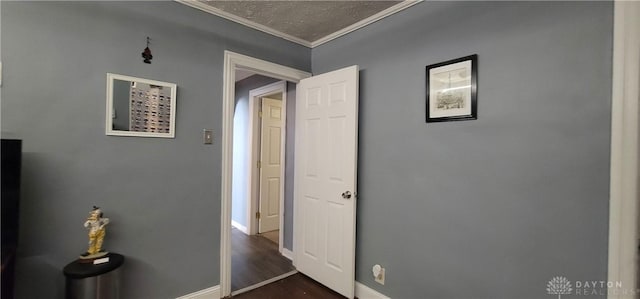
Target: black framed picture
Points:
x,y
452,90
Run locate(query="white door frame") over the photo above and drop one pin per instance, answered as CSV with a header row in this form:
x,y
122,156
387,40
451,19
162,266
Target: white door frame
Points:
x,y
623,193
254,154
231,62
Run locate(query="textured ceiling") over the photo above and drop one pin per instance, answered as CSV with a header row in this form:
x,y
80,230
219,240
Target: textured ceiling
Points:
x,y
307,20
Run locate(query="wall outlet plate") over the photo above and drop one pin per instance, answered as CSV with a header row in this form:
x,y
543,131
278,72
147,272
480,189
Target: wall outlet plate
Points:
x,y
380,278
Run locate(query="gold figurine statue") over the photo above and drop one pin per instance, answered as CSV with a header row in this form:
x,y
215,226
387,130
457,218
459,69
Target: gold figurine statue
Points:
x,y
96,225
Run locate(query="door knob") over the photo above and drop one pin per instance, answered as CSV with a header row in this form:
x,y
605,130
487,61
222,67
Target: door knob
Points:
x,y
346,195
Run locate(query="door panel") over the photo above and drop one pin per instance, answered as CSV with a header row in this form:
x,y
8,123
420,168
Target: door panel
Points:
x,y
326,157
310,245
270,172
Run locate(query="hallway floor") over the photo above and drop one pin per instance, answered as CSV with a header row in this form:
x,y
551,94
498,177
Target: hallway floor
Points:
x,y
255,259
297,286
273,236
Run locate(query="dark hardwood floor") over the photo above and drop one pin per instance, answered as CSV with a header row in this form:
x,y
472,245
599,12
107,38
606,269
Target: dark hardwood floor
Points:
x,y
255,259
297,286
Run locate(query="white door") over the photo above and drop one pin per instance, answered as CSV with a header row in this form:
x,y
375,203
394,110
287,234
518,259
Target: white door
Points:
x,y
325,178
270,171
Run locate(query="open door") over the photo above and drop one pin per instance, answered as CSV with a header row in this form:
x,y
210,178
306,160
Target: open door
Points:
x,y
270,165
325,178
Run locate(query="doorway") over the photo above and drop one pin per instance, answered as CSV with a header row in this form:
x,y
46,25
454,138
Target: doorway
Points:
x,y
258,186
325,171
235,62
267,160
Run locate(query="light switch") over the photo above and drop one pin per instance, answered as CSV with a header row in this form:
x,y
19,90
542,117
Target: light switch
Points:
x,y
207,136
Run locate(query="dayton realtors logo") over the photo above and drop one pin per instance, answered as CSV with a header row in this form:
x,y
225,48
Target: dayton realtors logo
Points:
x,y
559,285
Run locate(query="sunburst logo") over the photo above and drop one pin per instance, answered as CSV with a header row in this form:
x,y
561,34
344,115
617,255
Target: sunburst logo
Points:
x,y
559,285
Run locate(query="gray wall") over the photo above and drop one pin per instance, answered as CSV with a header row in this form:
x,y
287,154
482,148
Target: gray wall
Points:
x,y
491,208
241,150
494,207
162,195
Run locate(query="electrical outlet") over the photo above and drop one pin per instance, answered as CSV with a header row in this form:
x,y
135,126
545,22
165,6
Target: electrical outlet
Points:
x,y
378,274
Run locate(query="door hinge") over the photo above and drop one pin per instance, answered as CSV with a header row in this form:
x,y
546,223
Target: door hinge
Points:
x,y
259,164
257,215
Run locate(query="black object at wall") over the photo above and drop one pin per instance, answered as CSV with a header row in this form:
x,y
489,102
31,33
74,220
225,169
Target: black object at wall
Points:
x,y
11,151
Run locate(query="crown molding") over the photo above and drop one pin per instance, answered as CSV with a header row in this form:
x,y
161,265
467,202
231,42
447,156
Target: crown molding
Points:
x,y
231,17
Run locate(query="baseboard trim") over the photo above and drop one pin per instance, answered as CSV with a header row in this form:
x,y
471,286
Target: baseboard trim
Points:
x,y
287,253
209,293
240,227
365,292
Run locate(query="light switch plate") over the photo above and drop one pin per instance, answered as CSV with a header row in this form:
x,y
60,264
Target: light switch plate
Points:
x,y
207,136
